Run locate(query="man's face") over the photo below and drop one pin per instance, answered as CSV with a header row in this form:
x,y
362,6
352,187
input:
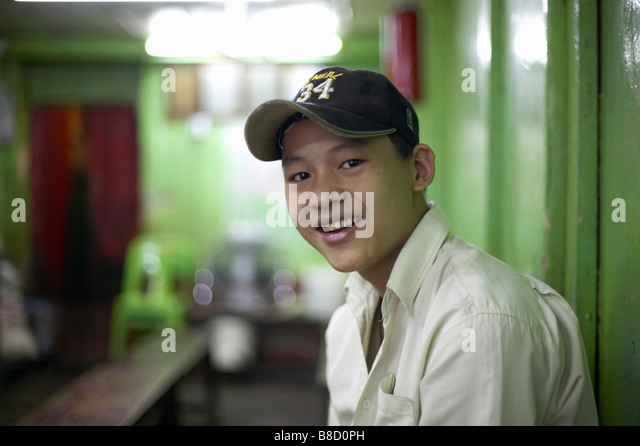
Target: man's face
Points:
x,y
379,181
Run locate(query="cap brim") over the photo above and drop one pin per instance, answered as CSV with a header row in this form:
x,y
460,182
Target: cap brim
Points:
x,y
262,126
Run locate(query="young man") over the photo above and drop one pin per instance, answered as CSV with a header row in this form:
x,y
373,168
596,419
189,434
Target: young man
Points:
x,y
434,331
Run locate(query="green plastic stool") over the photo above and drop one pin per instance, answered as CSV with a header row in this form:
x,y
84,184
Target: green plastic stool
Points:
x,y
156,288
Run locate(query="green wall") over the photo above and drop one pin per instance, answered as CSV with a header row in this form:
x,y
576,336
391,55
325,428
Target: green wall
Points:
x,y
179,175
572,108
454,122
489,141
14,171
619,284
593,110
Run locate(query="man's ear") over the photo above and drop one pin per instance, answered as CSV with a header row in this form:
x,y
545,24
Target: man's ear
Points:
x,y
425,166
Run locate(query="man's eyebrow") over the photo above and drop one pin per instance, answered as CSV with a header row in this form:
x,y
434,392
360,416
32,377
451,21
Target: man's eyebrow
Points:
x,y
292,159
356,143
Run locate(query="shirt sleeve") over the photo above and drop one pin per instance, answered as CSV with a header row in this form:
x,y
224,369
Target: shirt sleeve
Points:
x,y
495,369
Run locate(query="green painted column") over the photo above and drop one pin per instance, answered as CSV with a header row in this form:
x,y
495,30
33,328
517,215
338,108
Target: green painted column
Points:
x,y
517,134
572,181
619,285
453,111
593,120
499,125
489,140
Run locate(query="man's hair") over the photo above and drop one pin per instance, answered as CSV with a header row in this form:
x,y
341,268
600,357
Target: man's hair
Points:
x,y
402,145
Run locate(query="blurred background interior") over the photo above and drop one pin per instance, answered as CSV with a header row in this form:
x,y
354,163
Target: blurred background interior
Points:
x,y
129,202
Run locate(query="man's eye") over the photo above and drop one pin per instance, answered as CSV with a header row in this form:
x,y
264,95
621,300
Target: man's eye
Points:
x,y
350,164
299,176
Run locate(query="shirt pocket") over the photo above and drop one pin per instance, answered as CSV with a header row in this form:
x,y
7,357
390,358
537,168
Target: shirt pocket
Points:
x,y
393,410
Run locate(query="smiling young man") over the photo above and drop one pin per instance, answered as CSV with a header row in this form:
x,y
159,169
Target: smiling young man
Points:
x,y
433,331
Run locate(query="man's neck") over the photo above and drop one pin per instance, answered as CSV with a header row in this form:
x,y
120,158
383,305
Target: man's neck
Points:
x,y
379,274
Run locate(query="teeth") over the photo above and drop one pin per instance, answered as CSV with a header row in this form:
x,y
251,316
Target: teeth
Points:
x,y
345,222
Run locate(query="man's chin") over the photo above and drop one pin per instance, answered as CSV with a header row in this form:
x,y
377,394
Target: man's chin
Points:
x,y
341,264
339,257
343,268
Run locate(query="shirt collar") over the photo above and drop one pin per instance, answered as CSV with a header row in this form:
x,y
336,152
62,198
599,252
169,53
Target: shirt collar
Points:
x,y
413,262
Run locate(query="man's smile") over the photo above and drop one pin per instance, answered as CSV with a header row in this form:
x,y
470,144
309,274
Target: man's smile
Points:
x,y
342,224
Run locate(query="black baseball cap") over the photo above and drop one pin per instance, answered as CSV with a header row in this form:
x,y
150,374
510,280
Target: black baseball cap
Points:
x,y
350,103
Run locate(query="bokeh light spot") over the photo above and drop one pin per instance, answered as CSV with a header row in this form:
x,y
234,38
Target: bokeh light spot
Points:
x,y
202,294
284,295
204,276
284,277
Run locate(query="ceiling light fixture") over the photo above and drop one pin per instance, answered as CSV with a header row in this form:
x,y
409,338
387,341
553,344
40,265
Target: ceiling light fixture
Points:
x,y
138,1
291,33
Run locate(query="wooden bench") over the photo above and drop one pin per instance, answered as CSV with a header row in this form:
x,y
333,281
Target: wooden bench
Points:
x,y
120,392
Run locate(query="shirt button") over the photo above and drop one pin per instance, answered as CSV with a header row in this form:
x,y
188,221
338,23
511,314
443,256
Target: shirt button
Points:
x,y
366,404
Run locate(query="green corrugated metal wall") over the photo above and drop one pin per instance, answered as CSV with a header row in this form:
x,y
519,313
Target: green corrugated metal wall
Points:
x,y
593,105
572,107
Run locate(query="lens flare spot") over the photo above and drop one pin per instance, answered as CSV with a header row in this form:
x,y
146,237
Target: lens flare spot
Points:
x,y
204,276
284,296
202,294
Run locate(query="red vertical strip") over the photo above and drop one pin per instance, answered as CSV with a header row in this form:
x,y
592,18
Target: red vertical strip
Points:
x,y
52,138
113,179
401,52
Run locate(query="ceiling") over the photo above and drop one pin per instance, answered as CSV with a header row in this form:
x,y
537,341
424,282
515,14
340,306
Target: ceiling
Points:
x,y
129,19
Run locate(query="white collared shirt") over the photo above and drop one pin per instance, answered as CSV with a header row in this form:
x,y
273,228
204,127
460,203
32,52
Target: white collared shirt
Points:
x,y
468,341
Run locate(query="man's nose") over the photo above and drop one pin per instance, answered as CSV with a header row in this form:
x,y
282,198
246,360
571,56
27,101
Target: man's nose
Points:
x,y
329,192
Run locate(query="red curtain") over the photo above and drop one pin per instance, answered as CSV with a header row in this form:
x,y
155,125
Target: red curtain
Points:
x,y
52,138
113,179
84,196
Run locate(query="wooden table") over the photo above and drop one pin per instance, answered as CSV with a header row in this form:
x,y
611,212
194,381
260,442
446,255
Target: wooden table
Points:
x,y
120,392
